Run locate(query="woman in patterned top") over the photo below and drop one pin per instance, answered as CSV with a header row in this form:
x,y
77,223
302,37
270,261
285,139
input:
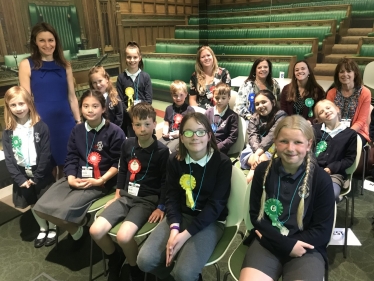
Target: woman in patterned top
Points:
x,y
300,96
352,98
207,74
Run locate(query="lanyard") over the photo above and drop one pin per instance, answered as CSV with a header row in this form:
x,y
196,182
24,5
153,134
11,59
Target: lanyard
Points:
x,y
201,183
88,151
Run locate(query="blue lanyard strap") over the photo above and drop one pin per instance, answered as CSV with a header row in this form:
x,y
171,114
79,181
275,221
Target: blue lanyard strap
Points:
x,y
289,208
201,183
135,181
88,151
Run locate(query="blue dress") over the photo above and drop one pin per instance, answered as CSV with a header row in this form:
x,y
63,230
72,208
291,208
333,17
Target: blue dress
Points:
x,y
50,89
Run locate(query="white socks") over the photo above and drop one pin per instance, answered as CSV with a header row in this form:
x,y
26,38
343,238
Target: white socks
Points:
x,y
78,234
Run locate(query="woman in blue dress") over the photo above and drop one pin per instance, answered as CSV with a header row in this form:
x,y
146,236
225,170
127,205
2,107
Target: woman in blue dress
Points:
x,y
49,77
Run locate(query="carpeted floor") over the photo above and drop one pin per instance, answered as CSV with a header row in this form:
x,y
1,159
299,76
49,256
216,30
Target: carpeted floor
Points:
x,y
20,261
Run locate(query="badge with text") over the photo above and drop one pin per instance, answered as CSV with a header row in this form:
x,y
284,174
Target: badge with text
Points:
x,y
94,159
133,188
137,101
346,122
86,172
29,172
134,167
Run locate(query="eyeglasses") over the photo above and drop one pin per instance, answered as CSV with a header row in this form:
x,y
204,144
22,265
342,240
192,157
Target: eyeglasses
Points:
x,y
189,133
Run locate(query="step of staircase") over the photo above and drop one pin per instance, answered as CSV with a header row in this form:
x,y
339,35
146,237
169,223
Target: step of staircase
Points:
x,y
359,31
325,69
344,49
350,39
335,58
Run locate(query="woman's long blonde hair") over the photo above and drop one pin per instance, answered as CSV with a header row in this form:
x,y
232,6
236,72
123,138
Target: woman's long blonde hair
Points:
x,y
9,118
295,122
200,74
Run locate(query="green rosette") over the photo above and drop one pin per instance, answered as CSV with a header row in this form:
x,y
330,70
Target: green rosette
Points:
x,y
273,208
321,147
309,102
16,142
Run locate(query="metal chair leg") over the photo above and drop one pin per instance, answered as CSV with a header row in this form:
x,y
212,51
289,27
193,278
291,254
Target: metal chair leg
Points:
x,y
346,227
91,254
364,168
104,264
352,206
226,276
218,272
57,234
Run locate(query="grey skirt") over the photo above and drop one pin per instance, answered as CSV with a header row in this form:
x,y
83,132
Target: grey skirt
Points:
x,y
67,203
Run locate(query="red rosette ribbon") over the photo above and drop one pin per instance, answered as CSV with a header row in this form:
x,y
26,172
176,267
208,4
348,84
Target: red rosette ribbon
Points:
x,y
177,120
134,167
94,159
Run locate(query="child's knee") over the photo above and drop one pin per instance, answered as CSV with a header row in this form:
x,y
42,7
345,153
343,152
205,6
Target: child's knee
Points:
x,y
97,231
124,236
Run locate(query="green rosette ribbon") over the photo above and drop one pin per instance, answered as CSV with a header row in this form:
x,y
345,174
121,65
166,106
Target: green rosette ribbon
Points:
x,y
309,102
273,208
16,142
321,147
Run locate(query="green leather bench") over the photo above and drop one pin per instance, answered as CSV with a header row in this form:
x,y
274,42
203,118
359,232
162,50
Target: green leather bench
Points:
x,y
11,62
182,66
366,47
360,8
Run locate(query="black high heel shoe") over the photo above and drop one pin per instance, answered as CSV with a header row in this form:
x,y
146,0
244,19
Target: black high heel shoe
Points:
x,y
40,242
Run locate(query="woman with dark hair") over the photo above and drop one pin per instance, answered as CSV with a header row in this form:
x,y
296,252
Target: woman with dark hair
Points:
x,y
260,132
198,178
260,78
352,98
49,77
206,76
91,168
300,96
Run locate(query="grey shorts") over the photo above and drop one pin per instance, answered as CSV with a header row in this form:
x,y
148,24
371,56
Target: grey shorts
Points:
x,y
310,266
130,208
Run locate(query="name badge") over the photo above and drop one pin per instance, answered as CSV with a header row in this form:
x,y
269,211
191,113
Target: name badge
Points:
x,y
209,96
137,101
29,172
87,172
133,188
346,122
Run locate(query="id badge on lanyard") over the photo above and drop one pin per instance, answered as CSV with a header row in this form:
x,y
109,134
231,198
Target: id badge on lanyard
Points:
x,y
133,188
346,122
29,173
87,172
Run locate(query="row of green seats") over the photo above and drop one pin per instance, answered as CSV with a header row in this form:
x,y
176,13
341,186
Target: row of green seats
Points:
x,y
339,15
360,8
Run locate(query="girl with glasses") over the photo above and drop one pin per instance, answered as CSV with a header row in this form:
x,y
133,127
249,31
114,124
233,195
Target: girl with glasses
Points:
x,y
198,180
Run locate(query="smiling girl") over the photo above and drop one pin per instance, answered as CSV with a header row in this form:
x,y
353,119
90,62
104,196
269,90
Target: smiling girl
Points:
x,y
336,144
291,209
261,128
91,167
259,78
300,96
198,180
133,85
27,154
205,78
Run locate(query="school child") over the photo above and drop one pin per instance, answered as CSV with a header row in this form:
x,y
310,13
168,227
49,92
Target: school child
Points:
x,y
261,128
336,144
223,120
27,156
140,194
174,114
291,209
99,80
198,187
133,85
90,169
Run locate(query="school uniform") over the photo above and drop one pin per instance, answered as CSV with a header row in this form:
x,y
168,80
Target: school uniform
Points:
x,y
173,115
36,153
114,112
137,204
225,127
204,220
317,220
138,83
259,136
103,146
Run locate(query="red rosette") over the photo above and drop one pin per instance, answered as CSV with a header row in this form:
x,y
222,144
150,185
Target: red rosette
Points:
x,y
94,159
177,120
134,167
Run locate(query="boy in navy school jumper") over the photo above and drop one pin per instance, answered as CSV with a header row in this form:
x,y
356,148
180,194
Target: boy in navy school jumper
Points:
x,y
140,194
224,121
174,114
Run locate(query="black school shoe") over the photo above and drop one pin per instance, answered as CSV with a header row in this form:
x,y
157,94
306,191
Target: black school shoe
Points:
x,y
115,264
38,243
136,274
51,241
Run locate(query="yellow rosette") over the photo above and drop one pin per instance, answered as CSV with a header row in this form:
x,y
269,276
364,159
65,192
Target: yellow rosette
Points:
x,y
188,182
129,91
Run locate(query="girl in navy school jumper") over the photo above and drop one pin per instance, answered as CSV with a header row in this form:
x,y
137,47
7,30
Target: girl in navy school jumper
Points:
x,y
198,187
133,85
291,209
91,168
27,154
336,144
99,80
174,114
260,130
224,121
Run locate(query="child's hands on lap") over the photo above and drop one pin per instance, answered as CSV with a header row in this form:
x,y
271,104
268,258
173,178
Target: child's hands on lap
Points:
x,y
26,184
327,170
157,215
175,243
300,249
